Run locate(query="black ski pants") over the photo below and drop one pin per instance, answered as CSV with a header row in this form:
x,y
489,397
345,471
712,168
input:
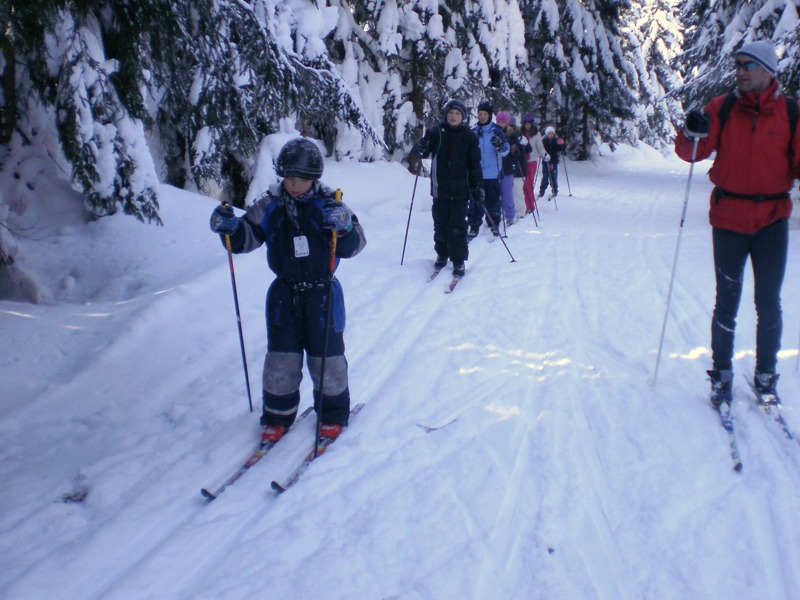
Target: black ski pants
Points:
x,y
450,227
767,250
549,177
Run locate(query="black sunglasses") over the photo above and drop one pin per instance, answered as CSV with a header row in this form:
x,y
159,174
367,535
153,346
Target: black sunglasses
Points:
x,y
748,66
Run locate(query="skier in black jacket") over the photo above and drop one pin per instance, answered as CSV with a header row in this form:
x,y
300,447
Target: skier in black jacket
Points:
x,y
553,148
455,174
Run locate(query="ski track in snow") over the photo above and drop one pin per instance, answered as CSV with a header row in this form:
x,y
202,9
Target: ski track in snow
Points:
x,y
510,446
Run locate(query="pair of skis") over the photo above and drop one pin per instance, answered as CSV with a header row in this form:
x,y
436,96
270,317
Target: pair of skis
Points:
x,y
264,448
768,408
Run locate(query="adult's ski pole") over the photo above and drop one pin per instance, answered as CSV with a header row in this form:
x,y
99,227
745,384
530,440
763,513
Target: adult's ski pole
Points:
x,y
238,318
410,208
328,311
675,262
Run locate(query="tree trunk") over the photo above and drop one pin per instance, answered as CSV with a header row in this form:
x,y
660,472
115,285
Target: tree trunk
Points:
x,y
8,108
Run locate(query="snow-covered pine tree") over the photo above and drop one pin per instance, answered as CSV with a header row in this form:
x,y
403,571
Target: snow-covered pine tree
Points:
x,y
209,80
496,33
317,92
789,65
229,73
439,50
234,97
652,40
105,144
397,50
61,57
587,86
716,28
542,22
168,57
8,64
368,71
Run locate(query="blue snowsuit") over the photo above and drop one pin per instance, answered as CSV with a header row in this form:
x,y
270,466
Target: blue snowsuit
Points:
x,y
299,253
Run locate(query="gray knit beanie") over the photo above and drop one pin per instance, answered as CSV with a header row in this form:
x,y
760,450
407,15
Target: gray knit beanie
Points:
x,y
763,52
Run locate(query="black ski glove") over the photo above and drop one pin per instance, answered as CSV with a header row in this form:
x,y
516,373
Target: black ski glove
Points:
x,y
697,124
420,148
479,195
497,143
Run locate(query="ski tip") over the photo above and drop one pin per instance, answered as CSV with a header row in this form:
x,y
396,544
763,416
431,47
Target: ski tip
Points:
x,y
452,286
277,487
208,494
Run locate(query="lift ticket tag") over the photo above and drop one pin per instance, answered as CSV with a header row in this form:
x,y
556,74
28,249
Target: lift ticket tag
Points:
x,y
301,246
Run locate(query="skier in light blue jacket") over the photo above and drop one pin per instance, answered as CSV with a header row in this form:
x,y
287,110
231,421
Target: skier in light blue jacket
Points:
x,y
494,146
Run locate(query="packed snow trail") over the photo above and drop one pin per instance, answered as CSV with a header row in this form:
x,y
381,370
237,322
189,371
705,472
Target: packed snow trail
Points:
x,y
510,446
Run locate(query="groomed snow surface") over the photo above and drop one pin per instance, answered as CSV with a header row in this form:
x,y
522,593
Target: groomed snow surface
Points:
x,y
511,447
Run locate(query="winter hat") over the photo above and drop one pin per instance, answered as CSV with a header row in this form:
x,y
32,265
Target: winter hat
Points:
x,y
527,118
763,52
454,104
549,130
503,118
301,158
486,106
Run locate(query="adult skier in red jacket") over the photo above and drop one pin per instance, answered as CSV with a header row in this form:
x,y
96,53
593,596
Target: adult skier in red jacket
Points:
x,y
757,159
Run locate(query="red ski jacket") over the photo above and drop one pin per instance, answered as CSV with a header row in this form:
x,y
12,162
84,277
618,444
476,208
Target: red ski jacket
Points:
x,y
753,159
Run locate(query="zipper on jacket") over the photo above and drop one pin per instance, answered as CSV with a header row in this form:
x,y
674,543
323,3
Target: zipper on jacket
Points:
x,y
755,115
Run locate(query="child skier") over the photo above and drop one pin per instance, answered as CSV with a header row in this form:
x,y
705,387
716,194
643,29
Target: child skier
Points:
x,y
455,173
537,151
515,168
494,147
295,218
553,148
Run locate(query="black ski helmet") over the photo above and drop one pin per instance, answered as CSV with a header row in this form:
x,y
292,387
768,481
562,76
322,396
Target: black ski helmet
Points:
x,y
486,106
299,157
